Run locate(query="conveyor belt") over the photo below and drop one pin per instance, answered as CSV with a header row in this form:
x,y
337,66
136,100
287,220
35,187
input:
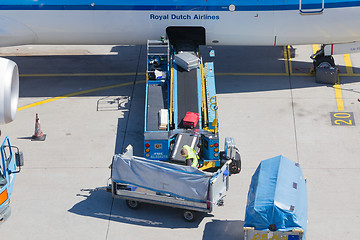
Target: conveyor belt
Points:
x,y
187,92
157,96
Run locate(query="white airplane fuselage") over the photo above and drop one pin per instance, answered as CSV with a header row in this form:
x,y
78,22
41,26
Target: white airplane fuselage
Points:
x,y
230,23
210,22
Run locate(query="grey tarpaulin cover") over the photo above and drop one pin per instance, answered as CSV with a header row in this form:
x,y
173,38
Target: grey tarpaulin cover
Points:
x,y
181,181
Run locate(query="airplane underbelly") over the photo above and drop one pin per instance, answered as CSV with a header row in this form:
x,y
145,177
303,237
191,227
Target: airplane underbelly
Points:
x,y
135,27
332,26
13,32
222,27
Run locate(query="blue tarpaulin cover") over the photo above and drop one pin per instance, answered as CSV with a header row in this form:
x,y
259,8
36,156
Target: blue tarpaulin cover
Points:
x,y
277,195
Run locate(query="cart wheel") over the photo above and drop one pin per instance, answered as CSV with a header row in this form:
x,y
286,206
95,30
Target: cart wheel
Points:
x,y
132,204
189,216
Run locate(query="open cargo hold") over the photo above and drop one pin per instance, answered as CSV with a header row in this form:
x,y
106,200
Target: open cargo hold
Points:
x,y
277,201
143,180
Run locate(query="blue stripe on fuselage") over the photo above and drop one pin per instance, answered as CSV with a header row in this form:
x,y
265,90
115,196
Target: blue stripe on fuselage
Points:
x,y
246,5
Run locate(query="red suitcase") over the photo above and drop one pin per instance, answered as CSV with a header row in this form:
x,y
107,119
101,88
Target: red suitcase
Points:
x,y
191,119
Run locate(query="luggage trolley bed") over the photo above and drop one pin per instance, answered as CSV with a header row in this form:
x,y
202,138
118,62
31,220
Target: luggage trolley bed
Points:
x,y
137,180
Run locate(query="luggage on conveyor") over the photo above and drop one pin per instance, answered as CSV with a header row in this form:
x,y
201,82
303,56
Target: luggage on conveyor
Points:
x,y
187,60
190,120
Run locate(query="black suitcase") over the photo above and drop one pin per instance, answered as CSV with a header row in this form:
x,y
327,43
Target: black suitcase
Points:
x,y
327,75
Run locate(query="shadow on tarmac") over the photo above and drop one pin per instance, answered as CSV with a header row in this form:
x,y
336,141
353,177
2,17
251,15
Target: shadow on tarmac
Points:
x,y
132,59
98,203
130,127
224,229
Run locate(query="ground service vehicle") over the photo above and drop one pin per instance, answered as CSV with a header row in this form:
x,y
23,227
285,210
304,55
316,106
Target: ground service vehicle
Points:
x,y
138,179
179,83
180,109
11,162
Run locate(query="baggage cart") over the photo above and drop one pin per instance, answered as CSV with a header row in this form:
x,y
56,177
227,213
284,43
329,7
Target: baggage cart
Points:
x,y
276,207
251,233
167,184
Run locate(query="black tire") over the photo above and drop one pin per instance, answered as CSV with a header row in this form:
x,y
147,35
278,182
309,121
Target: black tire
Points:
x,y
132,204
324,61
189,216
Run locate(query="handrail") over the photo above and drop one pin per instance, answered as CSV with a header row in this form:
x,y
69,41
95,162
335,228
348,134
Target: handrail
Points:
x,y
171,107
203,91
214,107
315,12
311,11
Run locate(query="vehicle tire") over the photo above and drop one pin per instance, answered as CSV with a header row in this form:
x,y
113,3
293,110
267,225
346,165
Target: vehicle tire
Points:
x,y
324,61
132,204
189,216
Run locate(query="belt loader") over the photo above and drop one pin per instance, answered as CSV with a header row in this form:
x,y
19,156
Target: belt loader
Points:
x,y
177,83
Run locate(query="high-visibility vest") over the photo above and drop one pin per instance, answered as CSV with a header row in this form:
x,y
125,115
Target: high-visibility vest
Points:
x,y
191,154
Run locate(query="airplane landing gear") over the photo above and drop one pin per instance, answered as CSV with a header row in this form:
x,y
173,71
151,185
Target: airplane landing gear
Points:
x,y
324,61
320,60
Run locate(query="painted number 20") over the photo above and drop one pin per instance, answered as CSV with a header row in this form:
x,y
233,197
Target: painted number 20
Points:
x,y
343,118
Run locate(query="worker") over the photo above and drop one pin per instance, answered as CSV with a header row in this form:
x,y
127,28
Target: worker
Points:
x,y
191,158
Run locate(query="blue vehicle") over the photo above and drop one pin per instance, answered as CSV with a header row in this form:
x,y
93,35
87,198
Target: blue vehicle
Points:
x,y
11,162
178,83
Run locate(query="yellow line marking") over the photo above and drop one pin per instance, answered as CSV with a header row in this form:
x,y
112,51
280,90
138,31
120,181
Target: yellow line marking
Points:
x,y
349,75
251,74
76,94
288,68
133,74
286,73
348,64
80,74
289,59
315,47
339,100
337,86
286,60
302,74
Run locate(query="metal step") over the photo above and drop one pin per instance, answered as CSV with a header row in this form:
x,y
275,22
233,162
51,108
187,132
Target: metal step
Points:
x,y
186,138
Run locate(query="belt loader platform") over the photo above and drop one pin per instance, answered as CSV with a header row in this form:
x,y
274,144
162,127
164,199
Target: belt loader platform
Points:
x,y
170,94
160,177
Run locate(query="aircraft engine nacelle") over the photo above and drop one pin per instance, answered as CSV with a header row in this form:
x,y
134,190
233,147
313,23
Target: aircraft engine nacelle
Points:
x,y
9,90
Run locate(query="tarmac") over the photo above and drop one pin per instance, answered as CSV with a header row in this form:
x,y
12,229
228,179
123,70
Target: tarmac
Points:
x,y
90,100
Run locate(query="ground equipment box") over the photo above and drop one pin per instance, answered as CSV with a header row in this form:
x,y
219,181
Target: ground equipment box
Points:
x,y
277,201
327,75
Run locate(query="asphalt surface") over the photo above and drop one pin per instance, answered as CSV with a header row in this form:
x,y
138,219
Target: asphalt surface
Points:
x,y
91,105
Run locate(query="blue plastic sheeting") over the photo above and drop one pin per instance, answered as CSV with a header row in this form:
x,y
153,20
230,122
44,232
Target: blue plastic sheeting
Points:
x,y
277,195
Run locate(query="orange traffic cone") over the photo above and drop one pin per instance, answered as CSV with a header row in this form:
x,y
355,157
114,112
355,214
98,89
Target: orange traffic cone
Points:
x,y
38,135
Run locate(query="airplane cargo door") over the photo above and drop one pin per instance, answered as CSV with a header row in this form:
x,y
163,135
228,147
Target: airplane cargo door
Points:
x,y
311,7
